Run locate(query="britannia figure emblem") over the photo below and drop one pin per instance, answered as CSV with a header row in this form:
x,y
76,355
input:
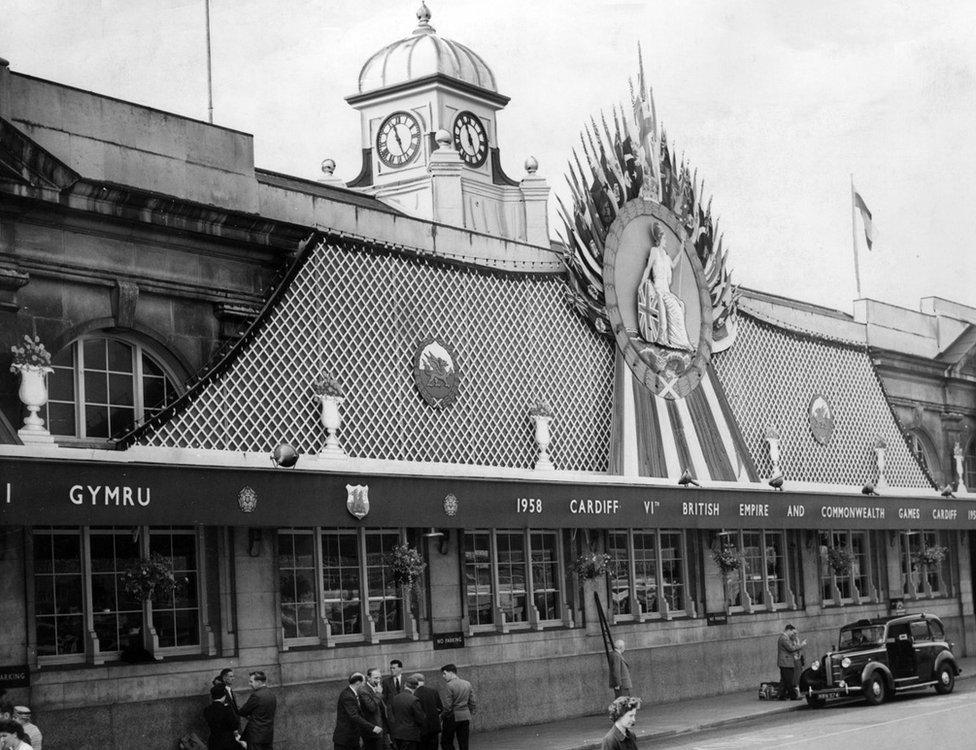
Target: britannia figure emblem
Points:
x,y
660,312
357,500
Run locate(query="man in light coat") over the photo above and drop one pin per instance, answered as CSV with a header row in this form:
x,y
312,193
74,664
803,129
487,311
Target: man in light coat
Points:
x,y
787,655
458,700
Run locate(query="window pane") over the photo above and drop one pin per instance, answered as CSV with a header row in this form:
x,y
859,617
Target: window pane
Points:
x,y
672,569
153,392
178,609
95,354
121,419
61,419
617,548
477,574
120,390
96,421
61,384
96,387
149,367
119,356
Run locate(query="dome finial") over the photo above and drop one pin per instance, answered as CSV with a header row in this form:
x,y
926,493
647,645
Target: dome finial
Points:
x,y
423,20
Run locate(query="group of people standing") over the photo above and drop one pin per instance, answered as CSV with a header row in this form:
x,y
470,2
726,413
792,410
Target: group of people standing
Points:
x,y
17,729
225,717
376,712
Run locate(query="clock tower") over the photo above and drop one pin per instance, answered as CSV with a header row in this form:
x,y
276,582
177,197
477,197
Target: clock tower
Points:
x,y
428,109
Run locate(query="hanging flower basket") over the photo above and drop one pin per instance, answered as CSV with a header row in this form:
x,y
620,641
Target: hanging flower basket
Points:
x,y
327,385
592,564
727,558
145,579
931,556
406,566
840,560
31,353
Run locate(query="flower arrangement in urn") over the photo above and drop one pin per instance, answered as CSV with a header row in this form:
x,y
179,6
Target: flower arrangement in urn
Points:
x,y
406,565
592,564
144,579
727,558
327,386
931,556
32,353
539,408
840,560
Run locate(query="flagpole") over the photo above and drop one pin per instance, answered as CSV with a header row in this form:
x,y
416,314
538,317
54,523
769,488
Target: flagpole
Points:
x,y
857,266
209,68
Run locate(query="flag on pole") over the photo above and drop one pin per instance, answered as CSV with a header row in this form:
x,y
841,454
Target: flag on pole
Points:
x,y
865,218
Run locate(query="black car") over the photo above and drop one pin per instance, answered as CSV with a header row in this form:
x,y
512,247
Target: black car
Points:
x,y
880,657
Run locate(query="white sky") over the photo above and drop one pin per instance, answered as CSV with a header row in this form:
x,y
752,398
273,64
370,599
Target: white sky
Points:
x,y
776,102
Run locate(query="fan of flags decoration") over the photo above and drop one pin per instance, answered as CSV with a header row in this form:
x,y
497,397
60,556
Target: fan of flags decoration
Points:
x,y
618,165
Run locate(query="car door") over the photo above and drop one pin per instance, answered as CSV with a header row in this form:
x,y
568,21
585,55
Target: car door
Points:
x,y
901,653
924,650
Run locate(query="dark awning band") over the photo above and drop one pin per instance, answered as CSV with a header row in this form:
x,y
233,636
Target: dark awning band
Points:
x,y
78,493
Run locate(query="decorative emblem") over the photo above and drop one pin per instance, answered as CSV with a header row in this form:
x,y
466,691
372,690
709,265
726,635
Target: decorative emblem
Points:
x,y
657,299
436,373
631,166
247,499
357,501
820,415
451,505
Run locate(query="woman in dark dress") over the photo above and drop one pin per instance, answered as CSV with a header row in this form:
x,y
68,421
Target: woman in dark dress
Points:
x,y
222,721
623,714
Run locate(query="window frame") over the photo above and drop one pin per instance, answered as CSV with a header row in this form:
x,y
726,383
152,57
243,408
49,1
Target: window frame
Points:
x,y
872,560
138,378
533,619
914,572
324,636
89,654
770,601
662,610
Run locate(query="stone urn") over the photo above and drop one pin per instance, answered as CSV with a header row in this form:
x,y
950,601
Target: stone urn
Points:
x,y
33,394
332,422
543,437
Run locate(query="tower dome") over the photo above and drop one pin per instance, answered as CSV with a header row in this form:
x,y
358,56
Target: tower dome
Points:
x,y
423,54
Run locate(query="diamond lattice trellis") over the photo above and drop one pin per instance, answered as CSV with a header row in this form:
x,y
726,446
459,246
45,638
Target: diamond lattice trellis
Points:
x,y
770,375
360,314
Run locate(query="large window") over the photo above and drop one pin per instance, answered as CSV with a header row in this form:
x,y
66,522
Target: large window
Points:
x,y
517,572
852,566
335,585
925,564
77,590
101,387
765,580
969,466
649,574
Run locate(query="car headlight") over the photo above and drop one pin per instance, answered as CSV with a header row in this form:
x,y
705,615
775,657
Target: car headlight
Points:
x,y
816,665
845,662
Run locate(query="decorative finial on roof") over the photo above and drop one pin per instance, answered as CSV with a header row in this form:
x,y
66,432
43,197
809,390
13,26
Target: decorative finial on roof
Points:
x,y
423,20
531,165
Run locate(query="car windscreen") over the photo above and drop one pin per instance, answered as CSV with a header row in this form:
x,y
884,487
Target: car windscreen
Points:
x,y
867,635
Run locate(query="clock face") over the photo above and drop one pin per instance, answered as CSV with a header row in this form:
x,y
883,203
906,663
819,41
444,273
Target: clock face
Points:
x,y
398,139
470,139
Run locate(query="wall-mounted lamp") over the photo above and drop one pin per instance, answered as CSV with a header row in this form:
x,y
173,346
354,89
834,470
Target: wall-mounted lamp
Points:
x,y
284,456
254,542
443,537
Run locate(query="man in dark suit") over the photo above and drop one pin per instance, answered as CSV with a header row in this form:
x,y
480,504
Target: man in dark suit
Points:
x,y
430,701
226,680
259,710
393,682
221,720
373,709
350,725
407,717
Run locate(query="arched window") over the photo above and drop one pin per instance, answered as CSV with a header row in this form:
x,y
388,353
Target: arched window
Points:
x,y
103,385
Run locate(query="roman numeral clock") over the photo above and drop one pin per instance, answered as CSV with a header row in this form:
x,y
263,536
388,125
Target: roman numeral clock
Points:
x,y
470,139
398,140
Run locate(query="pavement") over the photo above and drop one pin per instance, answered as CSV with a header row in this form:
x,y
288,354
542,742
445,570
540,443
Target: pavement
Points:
x,y
654,721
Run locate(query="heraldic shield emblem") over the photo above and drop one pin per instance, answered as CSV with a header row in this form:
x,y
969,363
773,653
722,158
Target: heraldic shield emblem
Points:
x,y
247,499
820,415
357,500
436,373
451,505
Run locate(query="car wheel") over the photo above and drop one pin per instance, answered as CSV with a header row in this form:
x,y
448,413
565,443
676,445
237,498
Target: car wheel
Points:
x,y
815,701
945,679
875,690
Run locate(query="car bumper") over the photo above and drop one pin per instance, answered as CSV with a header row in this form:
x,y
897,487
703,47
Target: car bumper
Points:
x,y
833,691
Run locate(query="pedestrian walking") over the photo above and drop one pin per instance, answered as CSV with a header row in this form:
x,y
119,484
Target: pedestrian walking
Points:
x,y
259,710
433,707
393,682
226,680
787,656
373,709
222,721
350,726
22,714
619,670
623,714
459,705
407,717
